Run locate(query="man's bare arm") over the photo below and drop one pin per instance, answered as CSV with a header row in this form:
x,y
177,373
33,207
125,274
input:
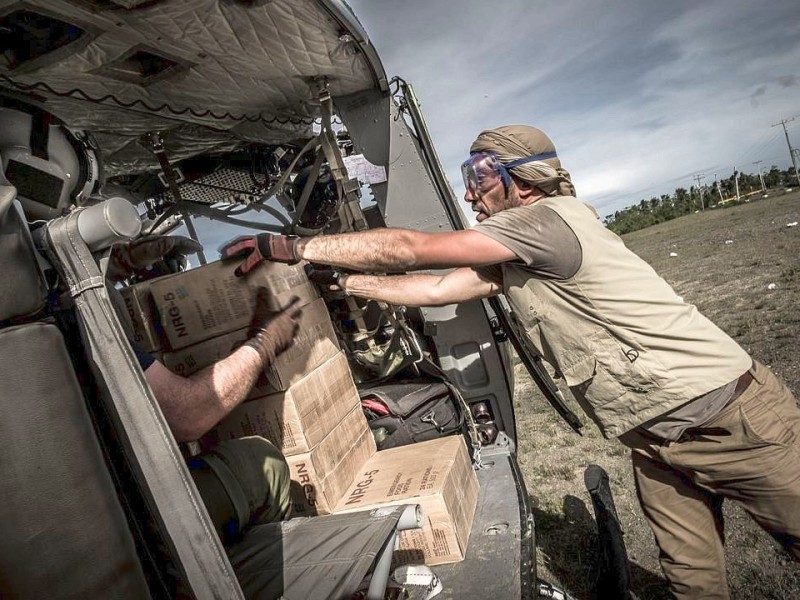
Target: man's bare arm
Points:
x,y
393,250
420,289
192,405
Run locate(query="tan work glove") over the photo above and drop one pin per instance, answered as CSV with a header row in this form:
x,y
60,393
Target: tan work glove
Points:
x,y
137,256
271,332
255,249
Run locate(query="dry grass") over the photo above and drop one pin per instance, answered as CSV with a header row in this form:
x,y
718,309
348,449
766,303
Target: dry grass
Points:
x,y
729,283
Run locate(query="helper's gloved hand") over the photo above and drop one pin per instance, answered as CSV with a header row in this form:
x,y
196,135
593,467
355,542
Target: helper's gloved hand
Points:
x,y
139,255
330,280
255,249
271,332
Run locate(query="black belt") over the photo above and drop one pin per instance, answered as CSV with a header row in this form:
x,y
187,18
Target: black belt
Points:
x,y
741,385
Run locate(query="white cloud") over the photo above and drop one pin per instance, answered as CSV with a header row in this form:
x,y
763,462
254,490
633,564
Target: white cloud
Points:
x,y
638,97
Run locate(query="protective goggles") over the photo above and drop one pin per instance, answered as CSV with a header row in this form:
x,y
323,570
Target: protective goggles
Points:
x,y
483,170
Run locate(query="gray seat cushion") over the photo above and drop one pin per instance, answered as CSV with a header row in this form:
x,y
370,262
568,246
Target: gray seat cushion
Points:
x,y
319,558
23,290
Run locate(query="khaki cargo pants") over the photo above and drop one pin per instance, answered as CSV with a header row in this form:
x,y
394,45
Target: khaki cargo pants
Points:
x,y
752,456
243,482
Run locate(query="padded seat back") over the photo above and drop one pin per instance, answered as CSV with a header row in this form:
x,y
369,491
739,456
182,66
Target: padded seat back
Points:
x,y
65,534
22,290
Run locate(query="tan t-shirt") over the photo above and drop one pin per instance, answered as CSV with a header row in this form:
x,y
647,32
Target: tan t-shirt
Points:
x,y
552,253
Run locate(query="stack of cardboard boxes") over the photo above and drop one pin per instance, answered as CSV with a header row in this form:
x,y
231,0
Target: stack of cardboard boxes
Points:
x,y
306,404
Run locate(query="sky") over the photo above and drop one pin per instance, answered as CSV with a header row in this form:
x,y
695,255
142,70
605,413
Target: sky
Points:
x,y
639,97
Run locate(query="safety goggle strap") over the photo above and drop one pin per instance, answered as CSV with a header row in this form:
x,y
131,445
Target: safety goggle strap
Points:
x,y
530,159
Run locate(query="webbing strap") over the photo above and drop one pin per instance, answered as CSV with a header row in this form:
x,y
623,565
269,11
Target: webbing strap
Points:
x,y
174,189
157,144
284,178
350,213
307,189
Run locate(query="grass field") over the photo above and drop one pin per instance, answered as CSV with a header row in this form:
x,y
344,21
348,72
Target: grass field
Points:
x,y
725,261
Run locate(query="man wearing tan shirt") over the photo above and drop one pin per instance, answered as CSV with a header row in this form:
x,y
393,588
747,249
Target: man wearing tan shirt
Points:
x,y
703,420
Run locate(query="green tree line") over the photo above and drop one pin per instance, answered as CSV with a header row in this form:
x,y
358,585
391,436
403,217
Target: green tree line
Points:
x,y
682,201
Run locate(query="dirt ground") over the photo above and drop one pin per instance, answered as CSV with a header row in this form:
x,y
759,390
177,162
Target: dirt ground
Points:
x,y
725,262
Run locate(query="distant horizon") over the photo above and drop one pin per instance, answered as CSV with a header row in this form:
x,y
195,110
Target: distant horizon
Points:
x,y
708,186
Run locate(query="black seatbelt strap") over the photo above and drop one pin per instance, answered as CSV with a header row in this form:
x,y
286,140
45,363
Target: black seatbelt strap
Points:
x,y
40,134
157,145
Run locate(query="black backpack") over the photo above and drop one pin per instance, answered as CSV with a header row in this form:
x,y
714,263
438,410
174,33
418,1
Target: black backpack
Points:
x,y
404,412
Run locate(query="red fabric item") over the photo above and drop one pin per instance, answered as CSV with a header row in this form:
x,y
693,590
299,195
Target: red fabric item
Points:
x,y
376,405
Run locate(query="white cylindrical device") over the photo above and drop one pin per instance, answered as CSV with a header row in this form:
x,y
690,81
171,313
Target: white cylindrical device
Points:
x,y
111,221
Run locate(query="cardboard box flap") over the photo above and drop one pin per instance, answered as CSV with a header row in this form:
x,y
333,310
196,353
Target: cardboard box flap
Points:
x,y
314,343
336,481
458,494
334,448
324,397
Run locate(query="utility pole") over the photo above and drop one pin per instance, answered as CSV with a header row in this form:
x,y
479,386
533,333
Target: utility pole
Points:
x,y
788,143
760,175
736,181
719,189
698,178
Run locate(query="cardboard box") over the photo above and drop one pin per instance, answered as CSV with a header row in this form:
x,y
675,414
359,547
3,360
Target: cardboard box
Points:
x,y
321,477
140,311
299,418
210,300
437,475
314,344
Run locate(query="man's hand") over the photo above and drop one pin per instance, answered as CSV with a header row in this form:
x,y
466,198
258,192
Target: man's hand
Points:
x,y
329,280
255,249
272,332
129,258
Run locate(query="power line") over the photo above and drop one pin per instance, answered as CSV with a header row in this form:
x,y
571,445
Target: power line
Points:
x,y
757,148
